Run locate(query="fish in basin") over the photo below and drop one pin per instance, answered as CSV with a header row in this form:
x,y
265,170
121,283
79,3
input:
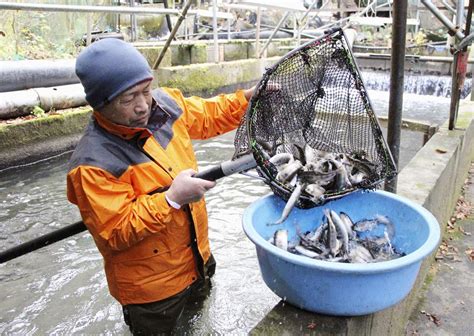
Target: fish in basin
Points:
x,y
339,239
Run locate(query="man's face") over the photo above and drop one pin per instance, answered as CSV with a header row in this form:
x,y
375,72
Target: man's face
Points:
x,y
131,108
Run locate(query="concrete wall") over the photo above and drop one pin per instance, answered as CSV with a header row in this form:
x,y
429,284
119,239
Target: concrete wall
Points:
x,y
197,52
208,79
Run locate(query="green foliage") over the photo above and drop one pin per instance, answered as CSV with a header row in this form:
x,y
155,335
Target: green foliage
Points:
x,y
38,112
151,25
31,35
45,35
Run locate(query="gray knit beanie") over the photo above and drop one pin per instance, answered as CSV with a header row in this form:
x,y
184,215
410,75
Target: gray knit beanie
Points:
x,y
109,67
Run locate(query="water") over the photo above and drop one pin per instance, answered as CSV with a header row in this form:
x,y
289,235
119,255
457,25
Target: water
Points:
x,y
61,289
426,85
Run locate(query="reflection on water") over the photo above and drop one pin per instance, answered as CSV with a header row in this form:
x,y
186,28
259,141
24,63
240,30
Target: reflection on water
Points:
x,y
61,289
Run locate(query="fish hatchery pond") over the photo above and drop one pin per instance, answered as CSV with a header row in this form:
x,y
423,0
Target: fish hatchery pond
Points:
x,y
62,290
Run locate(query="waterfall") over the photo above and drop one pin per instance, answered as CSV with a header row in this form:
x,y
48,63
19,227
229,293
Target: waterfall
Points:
x,y
426,85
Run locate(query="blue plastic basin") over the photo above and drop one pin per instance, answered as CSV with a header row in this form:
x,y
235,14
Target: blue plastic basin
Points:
x,y
334,288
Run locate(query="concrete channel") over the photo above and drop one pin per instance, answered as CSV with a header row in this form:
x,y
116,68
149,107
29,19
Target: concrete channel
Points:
x,y
433,178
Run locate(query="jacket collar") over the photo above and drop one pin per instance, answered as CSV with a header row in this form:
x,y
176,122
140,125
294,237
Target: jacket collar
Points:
x,y
124,132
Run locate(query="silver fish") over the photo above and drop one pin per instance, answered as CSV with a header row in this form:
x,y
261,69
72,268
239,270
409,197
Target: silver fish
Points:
x,y
289,171
281,158
280,239
295,195
341,227
308,253
349,224
314,190
342,177
334,244
357,178
319,231
359,254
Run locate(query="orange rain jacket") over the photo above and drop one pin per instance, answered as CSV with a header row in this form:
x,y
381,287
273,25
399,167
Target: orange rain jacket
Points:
x,y
145,243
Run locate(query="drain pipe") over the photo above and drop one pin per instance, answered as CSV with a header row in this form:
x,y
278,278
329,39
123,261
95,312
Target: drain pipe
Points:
x,y
395,106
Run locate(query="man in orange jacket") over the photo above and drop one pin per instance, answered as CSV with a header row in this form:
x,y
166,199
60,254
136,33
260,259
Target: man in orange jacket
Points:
x,y
131,176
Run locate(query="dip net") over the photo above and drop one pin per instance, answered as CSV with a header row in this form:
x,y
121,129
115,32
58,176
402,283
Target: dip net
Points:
x,y
314,99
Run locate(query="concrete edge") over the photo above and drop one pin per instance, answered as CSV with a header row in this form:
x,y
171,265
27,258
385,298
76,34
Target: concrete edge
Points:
x,y
434,179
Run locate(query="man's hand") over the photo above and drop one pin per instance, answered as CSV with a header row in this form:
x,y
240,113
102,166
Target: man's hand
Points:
x,y
249,93
187,189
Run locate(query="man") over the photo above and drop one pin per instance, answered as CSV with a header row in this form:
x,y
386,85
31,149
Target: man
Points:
x,y
131,176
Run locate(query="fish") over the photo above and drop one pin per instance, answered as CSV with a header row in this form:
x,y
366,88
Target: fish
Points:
x,y
359,254
335,172
281,158
289,171
348,222
295,195
333,243
357,178
341,228
308,253
280,239
342,181
314,190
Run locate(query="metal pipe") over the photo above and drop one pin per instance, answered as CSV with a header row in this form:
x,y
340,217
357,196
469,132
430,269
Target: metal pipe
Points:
x,y
460,13
42,241
453,30
459,64
267,43
290,32
86,9
214,31
172,34
228,24
257,34
133,23
397,72
448,6
89,29
27,74
168,19
21,103
343,20
307,12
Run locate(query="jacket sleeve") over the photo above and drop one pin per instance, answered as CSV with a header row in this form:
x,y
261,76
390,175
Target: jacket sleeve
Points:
x,y
206,118
111,211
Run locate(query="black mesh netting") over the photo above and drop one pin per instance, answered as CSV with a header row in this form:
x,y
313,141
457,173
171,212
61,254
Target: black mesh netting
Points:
x,y
314,98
